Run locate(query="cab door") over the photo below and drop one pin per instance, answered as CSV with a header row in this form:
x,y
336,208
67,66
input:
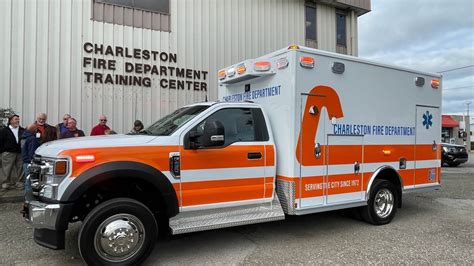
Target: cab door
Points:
x,y
223,160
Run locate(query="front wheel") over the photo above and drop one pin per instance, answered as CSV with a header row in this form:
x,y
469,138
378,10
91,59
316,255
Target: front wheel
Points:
x,y
382,204
119,231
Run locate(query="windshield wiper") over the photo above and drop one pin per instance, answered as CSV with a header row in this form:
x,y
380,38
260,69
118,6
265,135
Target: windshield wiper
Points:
x,y
145,132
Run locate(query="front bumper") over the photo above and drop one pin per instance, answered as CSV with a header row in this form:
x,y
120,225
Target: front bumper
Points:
x,y
49,221
42,215
456,158
460,160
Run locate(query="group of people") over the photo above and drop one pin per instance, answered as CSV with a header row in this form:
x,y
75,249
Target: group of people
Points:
x,y
18,144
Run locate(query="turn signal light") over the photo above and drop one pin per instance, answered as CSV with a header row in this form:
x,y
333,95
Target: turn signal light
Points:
x,y
85,158
221,74
262,66
60,168
387,152
241,69
435,83
307,61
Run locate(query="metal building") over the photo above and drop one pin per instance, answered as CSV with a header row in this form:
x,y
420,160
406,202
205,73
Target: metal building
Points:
x,y
141,59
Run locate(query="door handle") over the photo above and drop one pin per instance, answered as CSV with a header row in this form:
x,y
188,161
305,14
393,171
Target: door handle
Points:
x,y
254,155
317,150
356,168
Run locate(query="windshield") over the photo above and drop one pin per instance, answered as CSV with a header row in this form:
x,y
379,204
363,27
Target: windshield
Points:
x,y
170,123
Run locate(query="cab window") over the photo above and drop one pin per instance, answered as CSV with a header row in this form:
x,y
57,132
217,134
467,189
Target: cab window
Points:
x,y
240,125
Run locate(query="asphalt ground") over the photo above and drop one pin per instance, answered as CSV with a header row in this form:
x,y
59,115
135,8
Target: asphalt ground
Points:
x,y
433,227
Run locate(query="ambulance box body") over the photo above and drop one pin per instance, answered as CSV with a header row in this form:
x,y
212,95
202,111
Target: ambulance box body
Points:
x,y
338,120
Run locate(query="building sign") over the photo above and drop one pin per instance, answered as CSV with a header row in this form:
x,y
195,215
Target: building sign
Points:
x,y
139,74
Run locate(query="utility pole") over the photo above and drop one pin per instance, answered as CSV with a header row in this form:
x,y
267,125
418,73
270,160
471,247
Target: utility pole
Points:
x,y
467,126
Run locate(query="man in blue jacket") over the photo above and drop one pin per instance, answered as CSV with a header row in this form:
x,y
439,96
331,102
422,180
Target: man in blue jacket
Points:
x,y
29,144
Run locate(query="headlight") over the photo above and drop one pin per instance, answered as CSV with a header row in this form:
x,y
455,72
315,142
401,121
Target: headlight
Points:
x,y
53,172
445,149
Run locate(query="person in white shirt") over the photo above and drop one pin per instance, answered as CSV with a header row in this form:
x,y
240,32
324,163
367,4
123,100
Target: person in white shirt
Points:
x,y
11,154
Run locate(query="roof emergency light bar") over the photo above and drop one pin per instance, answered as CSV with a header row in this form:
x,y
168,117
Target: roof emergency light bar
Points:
x,y
246,70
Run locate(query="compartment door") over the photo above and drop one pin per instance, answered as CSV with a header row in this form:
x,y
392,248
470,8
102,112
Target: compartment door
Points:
x,y
427,145
310,151
345,173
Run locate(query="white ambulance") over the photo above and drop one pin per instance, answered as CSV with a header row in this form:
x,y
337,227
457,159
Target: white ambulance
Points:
x,y
294,132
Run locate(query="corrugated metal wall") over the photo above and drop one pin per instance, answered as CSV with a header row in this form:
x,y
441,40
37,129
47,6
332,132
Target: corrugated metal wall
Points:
x,y
42,51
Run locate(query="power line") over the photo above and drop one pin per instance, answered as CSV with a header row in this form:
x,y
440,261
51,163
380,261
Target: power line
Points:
x,y
453,69
465,87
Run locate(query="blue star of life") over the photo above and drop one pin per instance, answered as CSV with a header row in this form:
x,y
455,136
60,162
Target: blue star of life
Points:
x,y
427,117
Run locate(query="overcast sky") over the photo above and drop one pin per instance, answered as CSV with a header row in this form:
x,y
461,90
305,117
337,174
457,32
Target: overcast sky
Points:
x,y
428,35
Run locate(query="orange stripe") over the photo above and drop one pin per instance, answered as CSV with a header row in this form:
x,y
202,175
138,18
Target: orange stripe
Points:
x,y
217,191
408,176
269,187
344,154
425,152
228,157
348,154
155,156
422,176
269,155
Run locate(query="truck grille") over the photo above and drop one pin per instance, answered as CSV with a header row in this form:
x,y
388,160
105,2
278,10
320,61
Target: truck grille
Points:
x,y
36,177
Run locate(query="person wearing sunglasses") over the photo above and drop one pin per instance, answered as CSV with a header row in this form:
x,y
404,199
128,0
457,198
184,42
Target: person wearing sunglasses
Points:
x,y
100,128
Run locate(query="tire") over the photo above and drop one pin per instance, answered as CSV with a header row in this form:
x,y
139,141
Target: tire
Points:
x,y
453,164
377,213
132,225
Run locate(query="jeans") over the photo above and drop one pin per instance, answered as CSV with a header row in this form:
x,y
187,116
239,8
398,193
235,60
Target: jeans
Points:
x,y
26,172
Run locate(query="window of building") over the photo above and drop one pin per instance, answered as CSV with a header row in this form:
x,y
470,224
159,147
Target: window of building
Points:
x,y
160,6
310,26
148,14
341,33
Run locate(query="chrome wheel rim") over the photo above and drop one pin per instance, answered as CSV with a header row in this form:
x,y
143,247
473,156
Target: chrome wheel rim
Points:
x,y
119,237
383,203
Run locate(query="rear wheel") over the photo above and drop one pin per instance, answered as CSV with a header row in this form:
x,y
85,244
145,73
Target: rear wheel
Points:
x,y
119,231
382,204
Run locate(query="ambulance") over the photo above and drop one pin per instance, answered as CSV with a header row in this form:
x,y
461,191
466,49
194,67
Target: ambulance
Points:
x,y
294,132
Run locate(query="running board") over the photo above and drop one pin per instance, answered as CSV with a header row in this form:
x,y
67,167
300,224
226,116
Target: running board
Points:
x,y
202,220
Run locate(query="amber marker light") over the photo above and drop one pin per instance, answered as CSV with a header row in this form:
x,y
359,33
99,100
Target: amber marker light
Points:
x,y
435,83
221,74
241,69
60,168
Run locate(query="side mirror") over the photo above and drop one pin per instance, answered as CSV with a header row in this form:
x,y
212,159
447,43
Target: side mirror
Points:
x,y
213,134
190,140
